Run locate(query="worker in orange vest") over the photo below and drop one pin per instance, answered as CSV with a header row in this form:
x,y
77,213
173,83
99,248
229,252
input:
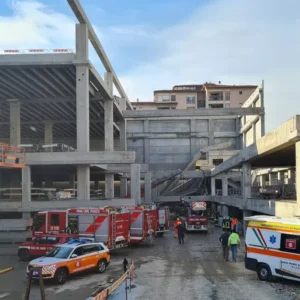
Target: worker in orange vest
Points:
x,y
176,223
234,224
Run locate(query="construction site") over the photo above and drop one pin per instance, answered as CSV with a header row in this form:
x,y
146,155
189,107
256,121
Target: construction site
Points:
x,y
71,141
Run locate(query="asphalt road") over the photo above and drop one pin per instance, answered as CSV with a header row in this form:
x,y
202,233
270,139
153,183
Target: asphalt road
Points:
x,y
164,270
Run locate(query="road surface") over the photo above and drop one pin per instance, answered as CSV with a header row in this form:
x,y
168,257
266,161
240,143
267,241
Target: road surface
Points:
x,y
164,270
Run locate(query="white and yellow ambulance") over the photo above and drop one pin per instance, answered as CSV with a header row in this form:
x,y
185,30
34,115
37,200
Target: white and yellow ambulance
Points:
x,y
273,247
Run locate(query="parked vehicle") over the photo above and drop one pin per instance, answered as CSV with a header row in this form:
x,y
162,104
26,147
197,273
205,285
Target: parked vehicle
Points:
x,y
40,245
163,220
196,218
273,247
70,258
101,224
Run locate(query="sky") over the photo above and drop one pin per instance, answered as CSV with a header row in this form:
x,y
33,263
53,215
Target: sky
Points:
x,y
155,44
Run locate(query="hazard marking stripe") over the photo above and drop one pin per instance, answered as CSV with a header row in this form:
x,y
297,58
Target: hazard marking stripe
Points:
x,y
96,224
134,216
274,253
262,238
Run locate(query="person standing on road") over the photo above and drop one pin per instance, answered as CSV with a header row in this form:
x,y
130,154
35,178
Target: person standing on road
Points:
x,y
233,242
177,222
224,239
180,233
125,264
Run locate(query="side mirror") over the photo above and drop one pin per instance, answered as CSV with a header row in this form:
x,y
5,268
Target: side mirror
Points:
x,y
74,255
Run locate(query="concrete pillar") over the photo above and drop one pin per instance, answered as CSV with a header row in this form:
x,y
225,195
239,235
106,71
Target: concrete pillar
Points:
x,y
123,186
262,180
224,184
97,185
26,186
254,132
122,126
82,90
83,182
146,142
72,184
291,176
213,186
246,187
193,146
148,187
15,122
211,132
135,183
48,135
109,133
272,179
280,178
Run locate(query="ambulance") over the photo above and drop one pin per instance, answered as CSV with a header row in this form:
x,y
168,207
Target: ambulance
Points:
x,y
273,247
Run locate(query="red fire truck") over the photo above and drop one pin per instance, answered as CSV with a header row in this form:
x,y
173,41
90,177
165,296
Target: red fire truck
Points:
x,y
196,217
103,225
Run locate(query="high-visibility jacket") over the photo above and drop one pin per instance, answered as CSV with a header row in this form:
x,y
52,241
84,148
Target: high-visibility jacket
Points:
x,y
176,223
234,239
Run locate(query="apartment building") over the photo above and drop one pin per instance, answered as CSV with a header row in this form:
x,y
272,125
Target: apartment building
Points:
x,y
207,95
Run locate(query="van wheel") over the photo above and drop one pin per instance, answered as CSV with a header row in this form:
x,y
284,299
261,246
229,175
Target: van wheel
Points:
x,y
101,266
24,255
263,272
61,276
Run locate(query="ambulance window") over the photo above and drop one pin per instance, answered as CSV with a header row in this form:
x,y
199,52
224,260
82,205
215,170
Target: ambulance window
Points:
x,y
290,243
55,219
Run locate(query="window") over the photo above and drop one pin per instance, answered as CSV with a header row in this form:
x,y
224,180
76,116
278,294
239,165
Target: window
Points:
x,y
227,105
59,252
290,243
55,219
41,240
90,249
190,99
241,92
52,240
227,96
173,97
163,98
78,251
217,161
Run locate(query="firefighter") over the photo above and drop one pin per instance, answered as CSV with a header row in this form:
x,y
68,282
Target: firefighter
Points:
x,y
177,222
234,223
125,264
226,224
180,233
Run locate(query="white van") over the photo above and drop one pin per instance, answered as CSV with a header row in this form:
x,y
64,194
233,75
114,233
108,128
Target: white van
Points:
x,y
273,247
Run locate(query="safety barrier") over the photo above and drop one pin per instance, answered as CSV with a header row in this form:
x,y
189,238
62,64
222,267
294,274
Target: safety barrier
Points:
x,y
108,291
6,270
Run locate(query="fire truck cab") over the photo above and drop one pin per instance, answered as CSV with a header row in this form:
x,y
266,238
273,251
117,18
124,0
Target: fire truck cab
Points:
x,y
196,217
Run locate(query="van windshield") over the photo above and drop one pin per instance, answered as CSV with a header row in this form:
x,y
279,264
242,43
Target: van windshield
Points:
x,y
60,252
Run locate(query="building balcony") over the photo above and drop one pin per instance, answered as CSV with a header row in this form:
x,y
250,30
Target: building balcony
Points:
x,y
215,98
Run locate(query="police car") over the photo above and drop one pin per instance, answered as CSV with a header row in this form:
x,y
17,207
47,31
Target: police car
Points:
x,y
70,258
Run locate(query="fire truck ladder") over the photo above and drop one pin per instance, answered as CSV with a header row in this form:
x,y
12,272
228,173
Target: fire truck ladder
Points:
x,y
114,229
150,230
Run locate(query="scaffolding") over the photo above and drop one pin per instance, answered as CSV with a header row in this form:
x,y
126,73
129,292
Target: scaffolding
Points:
x,y
11,156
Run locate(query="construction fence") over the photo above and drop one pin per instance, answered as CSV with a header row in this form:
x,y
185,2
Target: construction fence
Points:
x,y
108,291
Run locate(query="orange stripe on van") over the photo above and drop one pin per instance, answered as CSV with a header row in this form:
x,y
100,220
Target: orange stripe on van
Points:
x,y
276,229
273,253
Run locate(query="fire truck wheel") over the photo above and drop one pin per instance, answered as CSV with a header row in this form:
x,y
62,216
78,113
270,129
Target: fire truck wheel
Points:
x,y
263,272
101,267
24,255
61,276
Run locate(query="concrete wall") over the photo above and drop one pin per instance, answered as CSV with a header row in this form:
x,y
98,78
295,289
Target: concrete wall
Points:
x,y
170,143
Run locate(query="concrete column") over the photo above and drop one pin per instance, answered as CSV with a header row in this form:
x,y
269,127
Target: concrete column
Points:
x,y
146,143
193,146
96,185
246,188
123,186
291,176
262,180
213,186
26,186
211,132
280,178
82,90
122,126
135,183
15,122
272,179
254,132
72,184
224,184
83,182
48,135
148,187
109,186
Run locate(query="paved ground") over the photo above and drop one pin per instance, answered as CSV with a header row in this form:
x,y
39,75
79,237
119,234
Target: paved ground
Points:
x,y
164,270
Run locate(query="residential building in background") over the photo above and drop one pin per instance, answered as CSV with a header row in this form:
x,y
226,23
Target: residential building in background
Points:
x,y
207,95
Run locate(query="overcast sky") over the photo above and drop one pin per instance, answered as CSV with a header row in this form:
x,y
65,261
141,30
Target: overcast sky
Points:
x,y
155,44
